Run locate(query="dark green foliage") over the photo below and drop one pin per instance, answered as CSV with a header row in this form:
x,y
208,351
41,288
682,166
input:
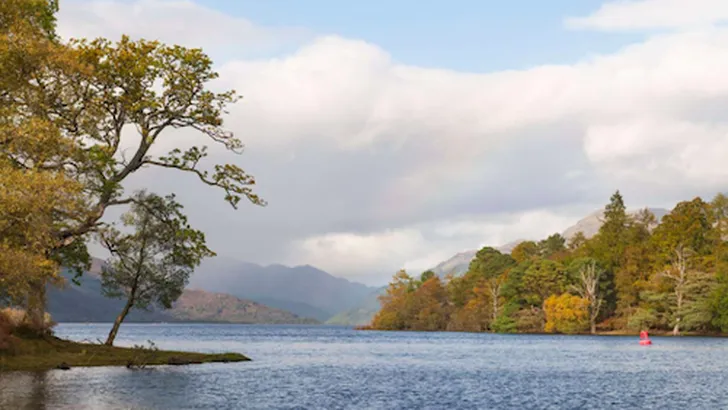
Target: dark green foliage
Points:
x,y
689,225
525,251
152,264
490,263
719,304
542,279
426,275
552,245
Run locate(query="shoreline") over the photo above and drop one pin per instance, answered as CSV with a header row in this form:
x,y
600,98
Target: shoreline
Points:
x,y
212,323
608,333
196,322
50,352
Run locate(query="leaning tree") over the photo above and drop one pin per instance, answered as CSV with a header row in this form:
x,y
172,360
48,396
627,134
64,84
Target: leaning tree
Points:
x,y
112,104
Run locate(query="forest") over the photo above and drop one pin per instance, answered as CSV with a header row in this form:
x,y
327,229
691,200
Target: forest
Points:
x,y
668,276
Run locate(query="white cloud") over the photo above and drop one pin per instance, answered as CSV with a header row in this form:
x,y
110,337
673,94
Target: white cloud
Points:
x,y
370,165
350,95
658,151
173,21
337,252
624,15
498,230
423,246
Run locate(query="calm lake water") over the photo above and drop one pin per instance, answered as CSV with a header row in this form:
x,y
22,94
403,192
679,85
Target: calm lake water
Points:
x,y
318,367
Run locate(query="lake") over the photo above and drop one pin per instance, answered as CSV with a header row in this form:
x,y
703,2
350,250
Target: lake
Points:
x,y
324,367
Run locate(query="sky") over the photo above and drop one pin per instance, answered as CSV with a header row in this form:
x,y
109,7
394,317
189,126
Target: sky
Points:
x,y
394,134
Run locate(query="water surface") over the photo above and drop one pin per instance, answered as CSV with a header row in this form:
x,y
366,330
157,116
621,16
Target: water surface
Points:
x,y
320,367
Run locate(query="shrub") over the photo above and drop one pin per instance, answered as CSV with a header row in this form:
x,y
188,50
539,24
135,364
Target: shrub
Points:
x,y
15,316
529,320
504,324
643,319
18,320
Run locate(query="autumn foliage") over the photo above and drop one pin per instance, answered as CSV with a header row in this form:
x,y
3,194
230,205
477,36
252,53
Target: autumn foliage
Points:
x,y
637,272
566,314
69,112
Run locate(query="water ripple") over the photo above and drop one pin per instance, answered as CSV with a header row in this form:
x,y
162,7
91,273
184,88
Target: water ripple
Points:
x,y
319,367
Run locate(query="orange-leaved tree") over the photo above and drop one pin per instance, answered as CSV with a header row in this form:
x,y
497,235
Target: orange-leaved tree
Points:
x,y
566,313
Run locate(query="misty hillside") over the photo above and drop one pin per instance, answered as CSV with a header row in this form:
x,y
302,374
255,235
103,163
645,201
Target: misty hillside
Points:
x,y
86,303
590,224
459,263
303,290
361,314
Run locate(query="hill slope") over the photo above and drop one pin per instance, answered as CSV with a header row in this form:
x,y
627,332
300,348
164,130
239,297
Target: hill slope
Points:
x,y
361,314
304,290
460,263
86,303
200,306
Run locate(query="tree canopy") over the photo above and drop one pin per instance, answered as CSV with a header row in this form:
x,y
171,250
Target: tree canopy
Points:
x,y
150,265
77,119
635,273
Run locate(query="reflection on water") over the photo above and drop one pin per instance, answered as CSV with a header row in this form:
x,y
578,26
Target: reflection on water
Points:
x,y
28,390
95,388
330,367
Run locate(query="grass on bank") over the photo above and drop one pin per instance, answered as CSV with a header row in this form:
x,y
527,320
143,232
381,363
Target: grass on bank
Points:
x,y
22,348
49,352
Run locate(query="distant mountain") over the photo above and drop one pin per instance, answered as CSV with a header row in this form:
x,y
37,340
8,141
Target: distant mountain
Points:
x,y
508,248
460,263
300,308
361,314
86,303
590,224
303,290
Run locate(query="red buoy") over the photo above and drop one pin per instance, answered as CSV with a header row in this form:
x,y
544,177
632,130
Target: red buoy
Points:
x,y
644,338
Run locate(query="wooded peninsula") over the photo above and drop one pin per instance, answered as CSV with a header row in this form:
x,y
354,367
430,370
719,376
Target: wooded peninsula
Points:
x,y
669,276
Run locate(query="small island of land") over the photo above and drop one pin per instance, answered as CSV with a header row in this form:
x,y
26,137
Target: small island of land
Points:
x,y
49,352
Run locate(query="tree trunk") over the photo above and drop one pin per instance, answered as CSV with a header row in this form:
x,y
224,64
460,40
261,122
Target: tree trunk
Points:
x,y
676,329
495,293
495,309
593,323
117,322
35,311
